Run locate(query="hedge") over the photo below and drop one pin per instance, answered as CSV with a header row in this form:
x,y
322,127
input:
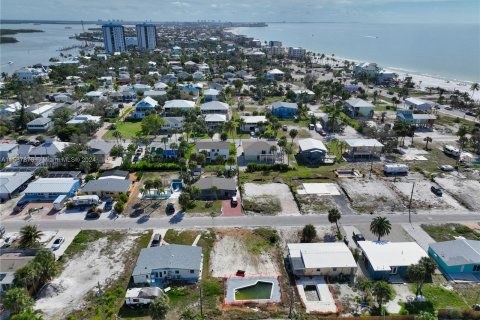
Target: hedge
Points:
x,y
146,166
280,167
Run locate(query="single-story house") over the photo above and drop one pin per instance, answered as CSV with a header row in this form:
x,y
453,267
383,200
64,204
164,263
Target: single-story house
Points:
x,y
115,174
418,104
172,105
123,96
12,182
81,118
387,260
213,149
39,125
321,259
142,296
161,266
419,120
64,174
94,95
258,151
284,110
144,106
215,121
140,87
43,109
216,188
458,259
107,187
12,260
361,148
8,151
172,123
211,95
155,93
50,188
10,109
304,95
253,123
214,107
312,150
356,107
275,74
161,86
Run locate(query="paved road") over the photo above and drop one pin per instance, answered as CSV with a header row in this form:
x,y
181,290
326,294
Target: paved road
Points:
x,y
178,221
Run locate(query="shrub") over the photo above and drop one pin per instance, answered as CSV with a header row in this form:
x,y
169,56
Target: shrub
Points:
x,y
154,166
122,197
415,307
139,175
270,235
119,207
279,167
262,204
69,205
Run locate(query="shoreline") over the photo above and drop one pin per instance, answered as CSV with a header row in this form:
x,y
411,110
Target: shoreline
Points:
x,y
422,80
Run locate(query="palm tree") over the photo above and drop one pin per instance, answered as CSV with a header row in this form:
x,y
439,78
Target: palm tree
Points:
x,y
148,184
289,151
383,292
164,140
117,135
309,233
427,140
17,300
241,124
380,226
30,236
230,127
334,216
231,161
273,150
28,314
282,143
293,133
474,87
46,267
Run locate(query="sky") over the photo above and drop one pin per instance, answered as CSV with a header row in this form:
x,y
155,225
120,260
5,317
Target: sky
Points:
x,y
395,11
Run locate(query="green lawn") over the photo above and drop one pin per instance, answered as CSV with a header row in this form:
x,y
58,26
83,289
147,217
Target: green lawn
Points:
x,y
449,231
435,158
441,297
204,207
127,129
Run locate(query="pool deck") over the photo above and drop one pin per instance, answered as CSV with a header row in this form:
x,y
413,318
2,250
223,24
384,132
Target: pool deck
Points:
x,y
326,304
240,282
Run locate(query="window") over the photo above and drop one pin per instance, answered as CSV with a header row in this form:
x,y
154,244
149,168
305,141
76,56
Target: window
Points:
x,y
177,272
476,267
192,271
334,269
318,269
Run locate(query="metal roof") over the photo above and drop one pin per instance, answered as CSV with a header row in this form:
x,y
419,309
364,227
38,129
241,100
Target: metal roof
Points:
x,y
287,105
214,105
206,145
221,183
322,255
171,256
7,146
107,184
359,103
11,181
355,143
458,252
384,254
51,185
311,144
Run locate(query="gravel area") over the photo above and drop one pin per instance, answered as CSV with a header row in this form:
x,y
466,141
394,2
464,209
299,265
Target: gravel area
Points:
x,y
278,190
315,204
371,195
423,197
466,191
397,233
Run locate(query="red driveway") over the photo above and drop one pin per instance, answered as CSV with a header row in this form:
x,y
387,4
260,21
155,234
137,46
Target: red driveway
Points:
x,y
229,211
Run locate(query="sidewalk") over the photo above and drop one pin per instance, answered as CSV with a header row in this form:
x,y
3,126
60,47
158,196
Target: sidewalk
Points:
x,y
418,234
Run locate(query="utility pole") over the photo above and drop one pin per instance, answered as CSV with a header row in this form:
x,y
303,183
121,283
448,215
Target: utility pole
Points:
x,y
410,204
99,295
201,299
292,302
371,163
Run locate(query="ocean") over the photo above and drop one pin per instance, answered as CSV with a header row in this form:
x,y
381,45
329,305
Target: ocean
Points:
x,y
38,47
445,51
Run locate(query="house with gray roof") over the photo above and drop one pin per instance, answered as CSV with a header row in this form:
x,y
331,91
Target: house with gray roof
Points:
x,y
48,189
107,187
8,151
356,107
161,266
216,188
12,182
39,125
284,110
457,259
213,149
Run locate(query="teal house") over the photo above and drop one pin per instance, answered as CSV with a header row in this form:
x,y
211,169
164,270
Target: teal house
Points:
x,y
457,259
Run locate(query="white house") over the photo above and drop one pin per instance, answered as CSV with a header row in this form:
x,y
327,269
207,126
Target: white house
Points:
x,y
213,149
211,95
216,107
172,105
321,259
258,151
172,123
142,296
42,109
368,68
39,125
29,75
215,121
81,118
253,123
355,107
418,104
275,74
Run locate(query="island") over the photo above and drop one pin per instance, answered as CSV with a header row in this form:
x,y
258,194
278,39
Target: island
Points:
x,y
7,32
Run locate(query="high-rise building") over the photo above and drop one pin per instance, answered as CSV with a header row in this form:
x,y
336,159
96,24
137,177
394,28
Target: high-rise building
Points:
x,y
146,36
273,43
296,53
113,38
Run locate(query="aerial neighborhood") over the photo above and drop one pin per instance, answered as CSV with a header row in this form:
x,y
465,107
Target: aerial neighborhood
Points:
x,y
184,171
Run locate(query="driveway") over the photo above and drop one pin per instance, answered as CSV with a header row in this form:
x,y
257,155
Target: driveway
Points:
x,y
229,211
69,235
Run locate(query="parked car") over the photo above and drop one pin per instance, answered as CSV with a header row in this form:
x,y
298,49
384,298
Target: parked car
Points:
x,y
234,201
437,190
58,243
448,108
470,113
311,126
92,215
20,206
446,167
170,208
156,240
357,237
284,128
9,241
108,205
135,159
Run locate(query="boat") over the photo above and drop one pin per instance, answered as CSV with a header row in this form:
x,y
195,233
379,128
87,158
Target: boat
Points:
x,y
10,62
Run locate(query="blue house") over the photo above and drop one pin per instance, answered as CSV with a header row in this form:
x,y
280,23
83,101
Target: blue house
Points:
x,y
284,110
389,261
48,189
457,259
144,106
164,265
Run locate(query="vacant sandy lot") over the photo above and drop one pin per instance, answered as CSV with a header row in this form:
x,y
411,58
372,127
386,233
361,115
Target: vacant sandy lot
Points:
x,y
466,191
82,274
315,204
277,190
423,197
371,195
230,253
